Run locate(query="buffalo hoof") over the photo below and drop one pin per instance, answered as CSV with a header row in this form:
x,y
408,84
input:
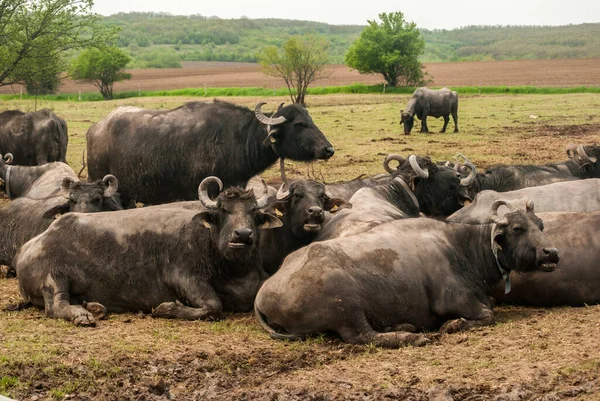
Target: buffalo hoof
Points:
x,y
453,326
166,309
96,309
84,319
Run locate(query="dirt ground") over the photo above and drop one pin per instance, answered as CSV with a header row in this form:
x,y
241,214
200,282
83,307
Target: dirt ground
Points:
x,y
530,354
555,73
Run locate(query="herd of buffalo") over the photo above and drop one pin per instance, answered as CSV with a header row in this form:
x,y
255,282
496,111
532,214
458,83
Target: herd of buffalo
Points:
x,y
424,246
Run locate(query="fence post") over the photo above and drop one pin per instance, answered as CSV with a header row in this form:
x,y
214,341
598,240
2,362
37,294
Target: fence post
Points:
x,y
139,91
79,98
384,87
205,90
21,97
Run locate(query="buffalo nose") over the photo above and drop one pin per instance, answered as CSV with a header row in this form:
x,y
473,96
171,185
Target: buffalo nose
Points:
x,y
329,151
315,211
552,254
243,235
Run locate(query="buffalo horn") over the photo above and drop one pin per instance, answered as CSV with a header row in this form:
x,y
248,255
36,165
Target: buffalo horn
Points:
x,y
264,198
465,182
282,193
112,185
571,150
8,158
501,221
203,191
585,156
65,187
388,159
280,106
412,159
260,116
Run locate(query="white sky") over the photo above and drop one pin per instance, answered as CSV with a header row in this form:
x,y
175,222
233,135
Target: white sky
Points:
x,y
429,14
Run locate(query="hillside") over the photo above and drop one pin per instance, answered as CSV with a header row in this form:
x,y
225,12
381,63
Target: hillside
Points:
x,y
158,40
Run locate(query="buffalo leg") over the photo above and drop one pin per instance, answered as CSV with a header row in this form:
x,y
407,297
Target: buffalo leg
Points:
x,y
57,305
485,317
455,118
424,129
361,332
205,304
446,120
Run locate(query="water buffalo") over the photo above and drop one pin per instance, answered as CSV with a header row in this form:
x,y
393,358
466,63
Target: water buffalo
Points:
x,y
302,208
405,275
582,164
576,281
173,262
28,216
34,138
159,155
568,196
427,102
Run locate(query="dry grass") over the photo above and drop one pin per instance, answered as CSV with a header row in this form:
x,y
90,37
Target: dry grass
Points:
x,y
531,353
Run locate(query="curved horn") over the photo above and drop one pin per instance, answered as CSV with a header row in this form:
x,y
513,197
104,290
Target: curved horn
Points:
x,y
112,185
203,191
529,206
412,159
388,159
264,119
571,150
280,106
465,182
65,187
264,199
281,193
8,158
494,211
448,164
585,156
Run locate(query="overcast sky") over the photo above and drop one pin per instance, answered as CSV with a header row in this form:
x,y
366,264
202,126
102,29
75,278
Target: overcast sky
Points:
x,y
430,14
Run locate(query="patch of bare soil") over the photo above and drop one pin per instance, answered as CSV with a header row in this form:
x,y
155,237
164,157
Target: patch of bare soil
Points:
x,y
531,354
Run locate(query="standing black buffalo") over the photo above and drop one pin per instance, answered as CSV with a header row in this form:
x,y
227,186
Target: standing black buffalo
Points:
x,y
400,276
427,102
159,156
188,263
34,138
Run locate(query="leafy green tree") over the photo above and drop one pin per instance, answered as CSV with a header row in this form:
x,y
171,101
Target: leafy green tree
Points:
x,y
390,48
300,62
44,79
36,32
102,67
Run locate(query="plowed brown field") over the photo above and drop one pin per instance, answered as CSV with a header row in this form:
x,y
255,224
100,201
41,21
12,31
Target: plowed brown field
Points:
x,y
559,73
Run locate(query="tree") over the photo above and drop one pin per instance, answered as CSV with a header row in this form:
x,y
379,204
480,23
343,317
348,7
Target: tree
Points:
x,y
301,61
45,78
102,67
36,32
390,48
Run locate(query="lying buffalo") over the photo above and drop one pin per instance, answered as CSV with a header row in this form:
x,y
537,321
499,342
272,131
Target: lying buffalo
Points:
x,y
406,275
34,138
175,263
159,155
427,102
28,216
569,196
576,281
302,208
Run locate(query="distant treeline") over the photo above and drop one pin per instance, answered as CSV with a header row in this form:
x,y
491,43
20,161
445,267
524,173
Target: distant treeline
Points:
x,y
159,40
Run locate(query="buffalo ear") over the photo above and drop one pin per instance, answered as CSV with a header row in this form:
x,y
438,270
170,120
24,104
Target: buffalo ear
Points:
x,y
205,219
414,181
401,116
333,205
498,237
270,221
278,208
53,211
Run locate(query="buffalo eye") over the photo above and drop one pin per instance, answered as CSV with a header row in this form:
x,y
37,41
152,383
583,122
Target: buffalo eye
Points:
x,y
518,230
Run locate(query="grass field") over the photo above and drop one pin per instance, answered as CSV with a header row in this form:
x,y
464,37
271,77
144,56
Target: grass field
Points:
x,y
532,353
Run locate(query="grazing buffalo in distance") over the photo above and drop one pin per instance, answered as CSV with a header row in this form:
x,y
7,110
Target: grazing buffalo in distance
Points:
x,y
160,155
427,102
302,209
34,138
568,196
576,280
57,191
402,276
176,263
